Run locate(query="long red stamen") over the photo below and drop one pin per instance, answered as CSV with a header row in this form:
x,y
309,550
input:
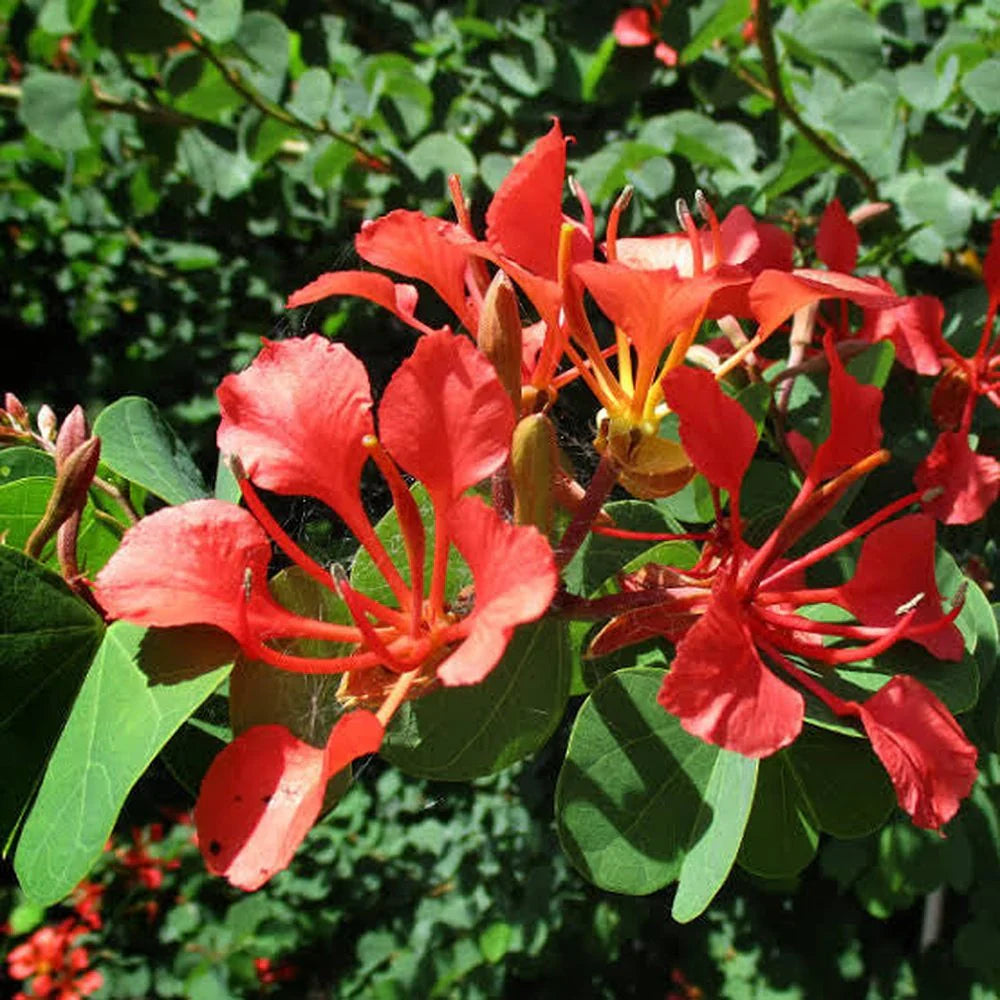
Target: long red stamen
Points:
x,y
411,526
836,705
809,508
614,219
708,214
845,538
588,209
834,657
439,573
371,638
687,222
314,665
651,536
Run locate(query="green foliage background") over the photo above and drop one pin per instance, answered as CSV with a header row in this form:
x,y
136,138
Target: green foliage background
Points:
x,y
161,193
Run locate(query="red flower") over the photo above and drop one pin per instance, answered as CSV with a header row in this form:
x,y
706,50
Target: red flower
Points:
x,y
299,420
523,232
964,485
736,618
55,967
147,868
86,901
635,27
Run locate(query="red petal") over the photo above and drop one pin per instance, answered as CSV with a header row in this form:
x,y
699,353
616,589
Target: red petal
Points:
x,y
515,579
914,327
855,426
355,734
896,564
667,55
525,216
722,692
776,295
717,433
187,565
631,27
991,264
264,791
931,763
837,239
401,300
969,483
445,417
653,307
257,802
741,244
432,250
296,419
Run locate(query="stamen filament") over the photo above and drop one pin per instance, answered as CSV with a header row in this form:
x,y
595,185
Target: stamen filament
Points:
x,y
411,526
835,544
396,696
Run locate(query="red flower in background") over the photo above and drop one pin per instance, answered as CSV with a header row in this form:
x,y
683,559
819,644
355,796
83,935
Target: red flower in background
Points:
x,y
146,868
299,421
736,615
966,484
55,967
637,27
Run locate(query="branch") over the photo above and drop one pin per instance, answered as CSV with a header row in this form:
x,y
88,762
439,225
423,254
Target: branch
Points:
x,y
275,111
765,41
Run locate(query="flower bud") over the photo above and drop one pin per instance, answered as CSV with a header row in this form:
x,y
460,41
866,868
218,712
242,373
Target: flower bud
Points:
x,y
500,334
69,494
71,435
47,422
15,409
533,463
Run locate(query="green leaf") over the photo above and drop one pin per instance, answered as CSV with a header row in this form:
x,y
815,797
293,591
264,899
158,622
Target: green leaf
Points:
x,y
459,733
729,15
118,725
312,96
865,123
843,33
494,941
263,39
527,68
639,800
79,12
20,462
923,87
930,200
783,831
48,636
715,840
51,110
441,153
368,580
137,444
22,505
406,101
982,85
217,20
607,171
701,140
844,782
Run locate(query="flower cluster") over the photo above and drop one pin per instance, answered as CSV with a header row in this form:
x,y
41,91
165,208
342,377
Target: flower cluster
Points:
x,y
446,419
758,643
53,965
